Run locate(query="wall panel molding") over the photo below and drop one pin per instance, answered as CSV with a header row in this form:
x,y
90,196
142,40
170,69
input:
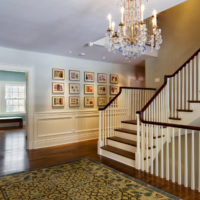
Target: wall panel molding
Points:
x,y
58,128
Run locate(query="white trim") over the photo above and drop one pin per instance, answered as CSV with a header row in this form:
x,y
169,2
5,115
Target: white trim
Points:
x,y
30,97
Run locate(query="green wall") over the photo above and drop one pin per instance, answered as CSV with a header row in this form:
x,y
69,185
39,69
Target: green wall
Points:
x,y
12,76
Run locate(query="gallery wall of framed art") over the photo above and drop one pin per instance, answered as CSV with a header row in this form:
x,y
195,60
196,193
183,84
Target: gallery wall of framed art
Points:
x,y
82,89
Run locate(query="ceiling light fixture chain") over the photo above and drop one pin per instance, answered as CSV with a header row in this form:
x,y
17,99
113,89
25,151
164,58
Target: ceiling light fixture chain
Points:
x,y
132,36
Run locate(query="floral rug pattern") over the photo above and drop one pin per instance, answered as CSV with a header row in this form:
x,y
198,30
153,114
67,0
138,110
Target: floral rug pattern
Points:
x,y
78,180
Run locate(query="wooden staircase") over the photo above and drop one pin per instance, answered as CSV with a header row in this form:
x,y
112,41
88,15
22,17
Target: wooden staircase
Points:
x,y
165,127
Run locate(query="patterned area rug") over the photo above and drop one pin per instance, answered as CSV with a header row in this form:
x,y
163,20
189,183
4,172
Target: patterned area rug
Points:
x,y
78,180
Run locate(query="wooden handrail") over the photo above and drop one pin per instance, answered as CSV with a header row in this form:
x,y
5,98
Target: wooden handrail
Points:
x,y
121,88
196,128
158,92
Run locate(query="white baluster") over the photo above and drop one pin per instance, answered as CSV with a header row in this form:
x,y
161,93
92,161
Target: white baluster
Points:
x,y
186,158
198,76
147,148
100,136
172,97
187,88
108,124
138,142
175,98
191,82
167,155
157,127
179,90
179,156
142,144
103,124
162,159
183,89
105,129
192,164
173,156
152,145
195,78
199,162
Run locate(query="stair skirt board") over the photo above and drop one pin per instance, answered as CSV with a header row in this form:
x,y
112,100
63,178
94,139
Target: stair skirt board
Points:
x,y
126,135
118,158
122,146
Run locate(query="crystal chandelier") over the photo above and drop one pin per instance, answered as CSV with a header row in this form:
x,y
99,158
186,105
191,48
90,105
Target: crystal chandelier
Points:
x,y
133,36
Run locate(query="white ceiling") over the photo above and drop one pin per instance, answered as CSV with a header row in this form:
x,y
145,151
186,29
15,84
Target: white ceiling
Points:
x,y
63,27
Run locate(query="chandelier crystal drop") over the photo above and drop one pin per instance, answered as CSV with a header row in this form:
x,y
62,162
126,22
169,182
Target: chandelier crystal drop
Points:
x,y
132,36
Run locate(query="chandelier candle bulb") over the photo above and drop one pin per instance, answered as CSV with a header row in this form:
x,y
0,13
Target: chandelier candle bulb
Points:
x,y
155,18
122,15
142,12
109,21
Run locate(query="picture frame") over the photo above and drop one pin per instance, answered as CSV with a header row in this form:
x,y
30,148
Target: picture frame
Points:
x,y
114,78
89,76
74,88
102,78
114,90
58,88
102,101
74,75
89,101
74,101
102,89
58,74
58,101
89,89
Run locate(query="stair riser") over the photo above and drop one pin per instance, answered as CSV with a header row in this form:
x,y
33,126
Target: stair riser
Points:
x,y
126,136
122,146
118,158
129,126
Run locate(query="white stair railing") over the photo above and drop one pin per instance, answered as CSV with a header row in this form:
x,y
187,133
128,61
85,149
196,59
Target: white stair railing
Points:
x,y
169,149
123,106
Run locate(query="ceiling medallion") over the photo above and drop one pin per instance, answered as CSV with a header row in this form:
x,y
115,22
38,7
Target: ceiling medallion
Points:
x,y
134,33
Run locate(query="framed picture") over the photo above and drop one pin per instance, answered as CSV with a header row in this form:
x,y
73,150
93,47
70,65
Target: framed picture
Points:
x,y
58,88
102,101
89,102
89,89
114,90
74,75
102,89
74,101
58,101
89,76
114,78
74,88
58,74
101,78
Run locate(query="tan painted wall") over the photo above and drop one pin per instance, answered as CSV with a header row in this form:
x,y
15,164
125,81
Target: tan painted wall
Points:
x,y
181,38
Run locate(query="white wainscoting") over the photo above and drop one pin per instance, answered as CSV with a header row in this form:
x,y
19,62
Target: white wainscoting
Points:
x,y
57,128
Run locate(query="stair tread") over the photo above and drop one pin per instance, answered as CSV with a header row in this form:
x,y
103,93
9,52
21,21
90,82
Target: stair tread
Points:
x,y
184,110
124,130
120,152
123,140
194,101
175,118
130,122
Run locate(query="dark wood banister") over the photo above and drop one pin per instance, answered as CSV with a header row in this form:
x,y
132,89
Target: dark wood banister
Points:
x,y
157,93
120,91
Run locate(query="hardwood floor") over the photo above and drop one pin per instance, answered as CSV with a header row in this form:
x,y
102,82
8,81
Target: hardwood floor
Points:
x,y
15,158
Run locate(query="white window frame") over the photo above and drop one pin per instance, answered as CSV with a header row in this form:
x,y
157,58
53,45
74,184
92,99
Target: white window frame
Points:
x,y
15,84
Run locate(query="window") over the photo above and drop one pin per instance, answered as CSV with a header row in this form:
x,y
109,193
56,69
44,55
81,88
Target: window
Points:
x,y
15,98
